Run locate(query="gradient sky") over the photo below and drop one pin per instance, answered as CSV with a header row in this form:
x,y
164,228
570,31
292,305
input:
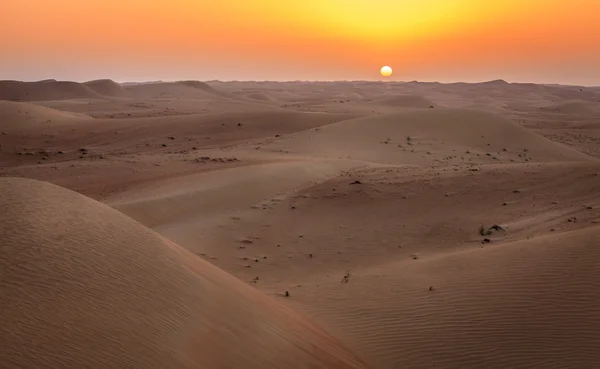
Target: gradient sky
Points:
x,y
546,41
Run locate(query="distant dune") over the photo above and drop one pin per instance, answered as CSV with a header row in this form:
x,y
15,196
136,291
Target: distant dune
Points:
x,y
45,90
182,89
84,286
495,82
106,87
27,115
410,135
102,89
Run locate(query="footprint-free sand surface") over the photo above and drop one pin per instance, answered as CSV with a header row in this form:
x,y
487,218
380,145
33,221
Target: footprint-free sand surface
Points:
x,y
299,225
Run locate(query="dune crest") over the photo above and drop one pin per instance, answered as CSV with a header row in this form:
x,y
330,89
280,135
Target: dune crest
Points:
x,y
106,87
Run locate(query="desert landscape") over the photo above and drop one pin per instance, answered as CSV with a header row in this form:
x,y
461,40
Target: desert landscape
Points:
x,y
357,224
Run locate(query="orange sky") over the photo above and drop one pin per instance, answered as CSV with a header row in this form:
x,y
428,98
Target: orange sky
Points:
x,y
445,40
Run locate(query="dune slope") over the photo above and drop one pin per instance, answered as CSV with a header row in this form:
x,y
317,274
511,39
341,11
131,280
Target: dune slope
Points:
x,y
182,89
418,136
404,101
27,115
106,87
573,107
82,285
528,304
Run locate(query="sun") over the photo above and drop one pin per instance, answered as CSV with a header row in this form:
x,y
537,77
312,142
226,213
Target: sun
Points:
x,y
386,71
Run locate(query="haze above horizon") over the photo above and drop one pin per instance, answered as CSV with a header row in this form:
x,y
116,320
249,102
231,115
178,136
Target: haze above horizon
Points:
x,y
434,40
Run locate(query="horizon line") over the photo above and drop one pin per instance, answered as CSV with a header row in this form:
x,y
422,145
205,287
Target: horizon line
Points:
x,y
123,81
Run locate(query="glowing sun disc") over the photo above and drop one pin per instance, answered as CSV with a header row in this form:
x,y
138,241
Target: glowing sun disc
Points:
x,y
386,71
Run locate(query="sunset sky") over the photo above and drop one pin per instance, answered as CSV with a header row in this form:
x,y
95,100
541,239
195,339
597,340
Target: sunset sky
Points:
x,y
547,41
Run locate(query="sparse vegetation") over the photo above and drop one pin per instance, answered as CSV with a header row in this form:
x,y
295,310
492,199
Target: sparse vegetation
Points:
x,y
346,277
207,159
483,231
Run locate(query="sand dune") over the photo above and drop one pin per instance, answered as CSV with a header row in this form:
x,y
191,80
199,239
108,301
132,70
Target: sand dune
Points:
x,y
426,234
190,130
260,97
45,90
187,209
85,286
106,87
417,137
420,212
102,89
183,89
19,115
404,101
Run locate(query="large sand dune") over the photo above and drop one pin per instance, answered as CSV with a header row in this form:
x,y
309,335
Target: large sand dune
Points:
x,y
84,286
422,136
